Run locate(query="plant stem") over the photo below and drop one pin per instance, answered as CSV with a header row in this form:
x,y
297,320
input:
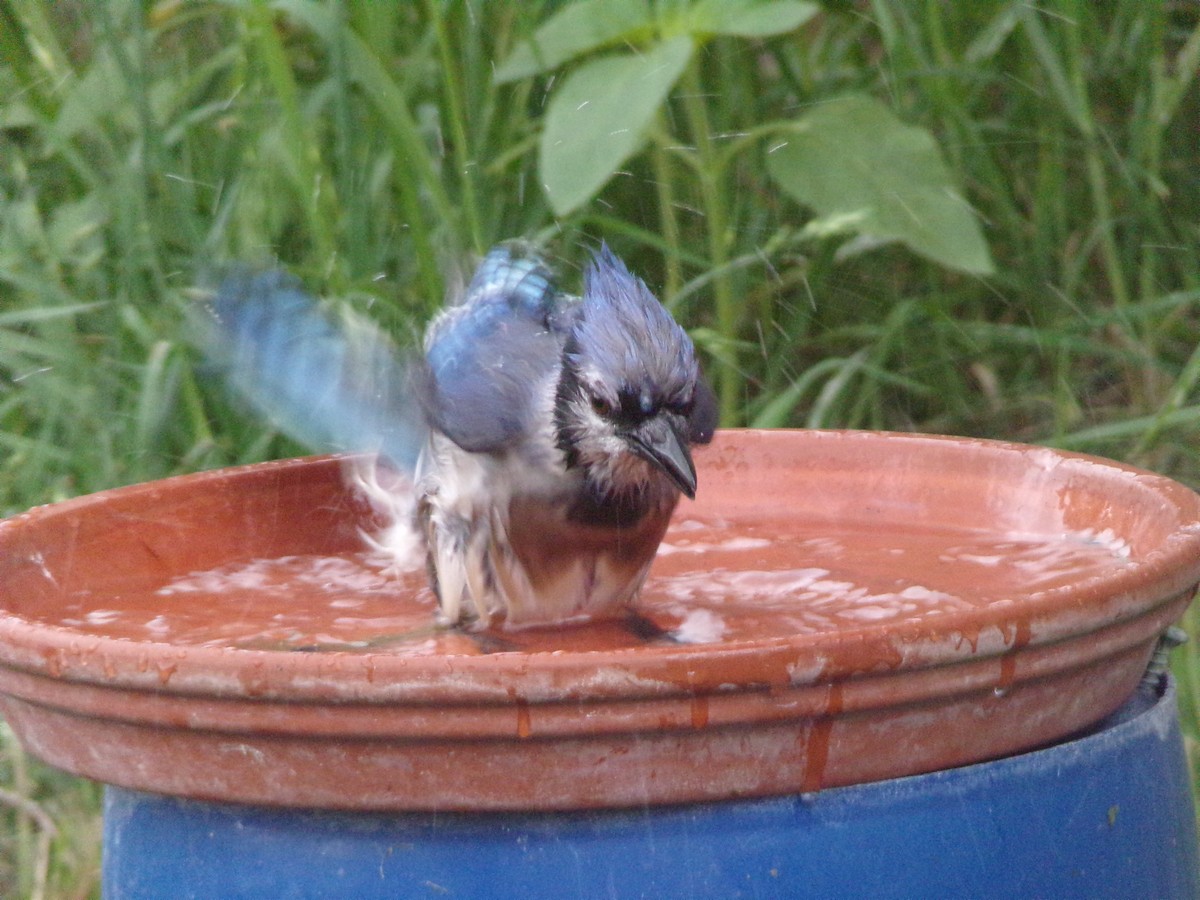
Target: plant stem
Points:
x,y
460,147
312,189
668,221
710,170
142,253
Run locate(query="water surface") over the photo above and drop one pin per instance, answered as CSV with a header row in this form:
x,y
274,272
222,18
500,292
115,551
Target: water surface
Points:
x,y
714,581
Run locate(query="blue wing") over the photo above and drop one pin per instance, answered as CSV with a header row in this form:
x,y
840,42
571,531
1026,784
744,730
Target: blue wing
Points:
x,y
332,385
488,356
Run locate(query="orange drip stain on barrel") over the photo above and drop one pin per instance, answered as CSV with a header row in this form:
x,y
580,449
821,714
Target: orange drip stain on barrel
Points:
x,y
524,724
817,755
699,712
1022,633
165,671
1008,673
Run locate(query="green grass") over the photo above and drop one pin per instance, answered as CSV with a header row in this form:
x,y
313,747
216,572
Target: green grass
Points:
x,y
369,148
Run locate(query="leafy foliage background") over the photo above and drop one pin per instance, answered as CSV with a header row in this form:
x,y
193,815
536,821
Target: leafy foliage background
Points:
x,y
976,219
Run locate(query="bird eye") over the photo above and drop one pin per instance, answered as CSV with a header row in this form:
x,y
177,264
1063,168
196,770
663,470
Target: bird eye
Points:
x,y
602,407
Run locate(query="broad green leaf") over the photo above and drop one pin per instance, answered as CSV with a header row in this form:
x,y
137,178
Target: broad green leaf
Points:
x,y
574,31
598,119
750,18
853,159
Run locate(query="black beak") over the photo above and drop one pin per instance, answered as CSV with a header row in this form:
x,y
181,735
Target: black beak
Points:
x,y
658,441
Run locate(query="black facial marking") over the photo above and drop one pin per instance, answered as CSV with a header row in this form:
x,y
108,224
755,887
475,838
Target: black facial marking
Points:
x,y
569,389
702,413
636,407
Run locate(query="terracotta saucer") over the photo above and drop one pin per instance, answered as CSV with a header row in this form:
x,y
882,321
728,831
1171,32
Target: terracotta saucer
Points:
x,y
836,607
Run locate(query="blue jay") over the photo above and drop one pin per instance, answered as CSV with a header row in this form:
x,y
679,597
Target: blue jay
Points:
x,y
548,437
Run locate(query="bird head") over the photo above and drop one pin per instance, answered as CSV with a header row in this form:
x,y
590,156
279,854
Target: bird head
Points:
x,y
630,399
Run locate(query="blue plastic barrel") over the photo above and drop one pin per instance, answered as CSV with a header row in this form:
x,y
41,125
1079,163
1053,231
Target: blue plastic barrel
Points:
x,y
1105,815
